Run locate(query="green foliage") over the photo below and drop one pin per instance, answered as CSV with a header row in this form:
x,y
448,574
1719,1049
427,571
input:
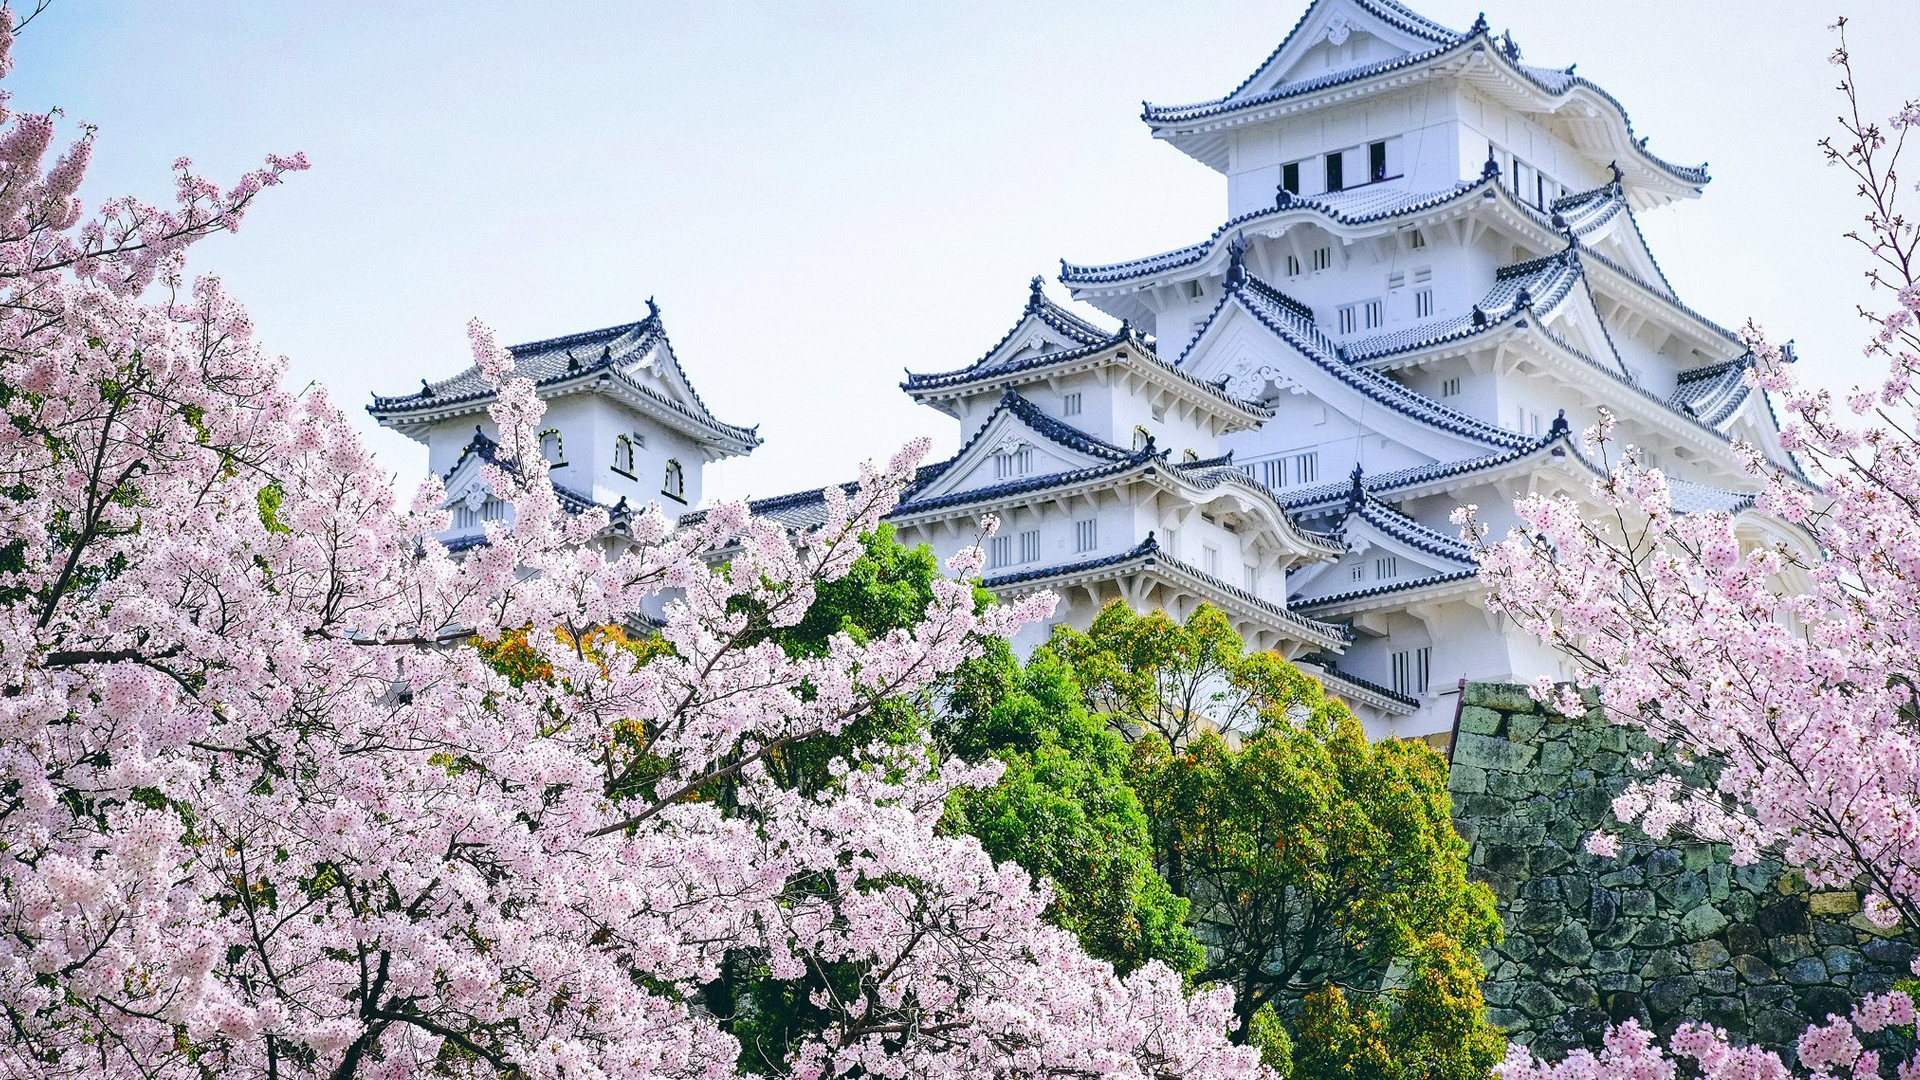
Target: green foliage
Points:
x,y
1314,861
1063,809
1266,1033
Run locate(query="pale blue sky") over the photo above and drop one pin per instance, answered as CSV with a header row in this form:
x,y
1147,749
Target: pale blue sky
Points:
x,y
821,194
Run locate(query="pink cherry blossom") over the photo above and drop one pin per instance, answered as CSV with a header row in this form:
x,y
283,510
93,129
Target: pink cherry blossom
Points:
x,y
1783,646
267,815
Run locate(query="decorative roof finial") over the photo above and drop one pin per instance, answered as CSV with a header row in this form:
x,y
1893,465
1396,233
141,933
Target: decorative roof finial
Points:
x,y
1236,263
1523,298
1559,222
1614,168
1282,197
1508,46
1479,25
1356,490
1491,170
1479,318
653,309
1035,297
426,388
1559,430
606,353
573,362
1126,329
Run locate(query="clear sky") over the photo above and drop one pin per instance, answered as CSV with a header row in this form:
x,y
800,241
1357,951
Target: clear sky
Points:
x,y
822,194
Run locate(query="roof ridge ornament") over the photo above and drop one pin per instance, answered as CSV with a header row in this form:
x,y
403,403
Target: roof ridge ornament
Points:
x,y
1282,196
1035,296
1491,170
1479,318
653,309
426,388
1508,46
1479,25
1236,264
1560,429
1356,489
1523,298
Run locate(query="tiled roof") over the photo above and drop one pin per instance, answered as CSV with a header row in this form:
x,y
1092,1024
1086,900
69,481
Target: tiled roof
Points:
x,y
1320,603
1408,531
487,449
1148,552
1331,671
1713,394
1546,281
1354,206
1320,496
1552,81
1279,314
612,351
1126,335
1068,325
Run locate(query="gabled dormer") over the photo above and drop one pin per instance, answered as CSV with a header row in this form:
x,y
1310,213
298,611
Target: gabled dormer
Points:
x,y
623,421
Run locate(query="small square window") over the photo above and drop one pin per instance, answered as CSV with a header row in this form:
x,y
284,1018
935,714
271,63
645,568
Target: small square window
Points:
x,y
1335,180
1290,177
1070,404
1030,546
1086,535
1376,162
1322,258
1450,387
1423,303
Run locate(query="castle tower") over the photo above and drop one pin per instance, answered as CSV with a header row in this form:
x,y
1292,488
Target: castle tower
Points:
x,y
1430,274
623,427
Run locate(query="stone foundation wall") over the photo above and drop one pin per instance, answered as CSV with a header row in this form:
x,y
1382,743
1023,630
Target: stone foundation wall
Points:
x,y
1663,933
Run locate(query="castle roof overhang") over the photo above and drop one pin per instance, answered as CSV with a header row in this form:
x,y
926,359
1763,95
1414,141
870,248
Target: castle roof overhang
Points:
x,y
618,361
1595,120
1202,483
1149,560
1356,690
1291,323
1397,594
1125,350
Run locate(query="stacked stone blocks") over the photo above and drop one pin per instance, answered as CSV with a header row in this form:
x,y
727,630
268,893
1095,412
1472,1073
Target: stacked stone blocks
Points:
x,y
1662,932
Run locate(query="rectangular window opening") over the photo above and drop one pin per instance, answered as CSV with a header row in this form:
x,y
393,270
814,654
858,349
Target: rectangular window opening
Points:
x,y
1376,161
1423,303
1450,387
1086,535
1070,404
1349,316
1030,546
1374,313
1290,177
1387,566
1334,168
1322,258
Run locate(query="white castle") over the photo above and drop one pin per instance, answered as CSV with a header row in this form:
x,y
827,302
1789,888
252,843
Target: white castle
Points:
x,y
1429,281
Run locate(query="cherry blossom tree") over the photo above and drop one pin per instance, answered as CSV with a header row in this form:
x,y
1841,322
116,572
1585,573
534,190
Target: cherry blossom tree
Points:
x,y
264,812
1788,661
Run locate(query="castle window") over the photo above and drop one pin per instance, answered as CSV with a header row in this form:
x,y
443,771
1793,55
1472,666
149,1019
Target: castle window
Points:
x,y
1349,318
674,484
1412,668
551,448
1293,266
1030,546
1387,566
1396,281
1334,170
1290,177
1070,404
1210,560
1173,542
1086,535
468,517
1015,462
623,456
1250,575
1417,240
1373,313
1450,387
999,552
1275,473
1423,303
1303,468
1376,161
1322,258
1195,290
1358,573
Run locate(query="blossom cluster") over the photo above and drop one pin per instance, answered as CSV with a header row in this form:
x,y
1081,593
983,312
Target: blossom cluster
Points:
x,y
266,814
1777,646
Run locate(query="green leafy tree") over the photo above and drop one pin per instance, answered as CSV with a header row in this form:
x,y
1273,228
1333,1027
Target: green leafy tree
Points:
x,y
1063,809
1316,863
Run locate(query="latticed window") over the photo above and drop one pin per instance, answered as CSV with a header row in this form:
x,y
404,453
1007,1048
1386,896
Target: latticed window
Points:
x,y
1030,546
674,483
1412,669
1086,535
623,455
